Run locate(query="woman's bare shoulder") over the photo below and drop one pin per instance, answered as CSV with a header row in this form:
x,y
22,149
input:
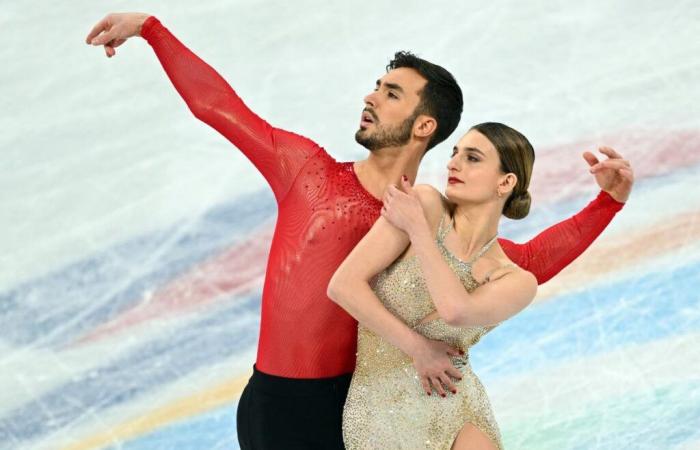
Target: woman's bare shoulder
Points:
x,y
494,266
434,203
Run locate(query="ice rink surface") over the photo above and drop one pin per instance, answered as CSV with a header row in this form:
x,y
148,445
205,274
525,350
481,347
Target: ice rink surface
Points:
x,y
134,237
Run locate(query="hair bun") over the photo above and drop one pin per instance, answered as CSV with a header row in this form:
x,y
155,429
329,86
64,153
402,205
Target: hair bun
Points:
x,y
518,205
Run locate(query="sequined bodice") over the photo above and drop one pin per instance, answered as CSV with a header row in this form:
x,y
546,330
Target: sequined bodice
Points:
x,y
386,405
402,289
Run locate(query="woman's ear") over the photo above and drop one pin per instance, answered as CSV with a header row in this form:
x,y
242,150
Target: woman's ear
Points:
x,y
508,183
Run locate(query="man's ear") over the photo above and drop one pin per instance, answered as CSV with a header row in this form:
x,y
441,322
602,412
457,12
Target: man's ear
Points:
x,y
424,126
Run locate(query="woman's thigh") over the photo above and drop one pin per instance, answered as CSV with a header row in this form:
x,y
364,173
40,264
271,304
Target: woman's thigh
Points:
x,y
472,438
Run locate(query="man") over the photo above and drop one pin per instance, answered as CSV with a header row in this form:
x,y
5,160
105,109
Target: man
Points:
x,y
306,348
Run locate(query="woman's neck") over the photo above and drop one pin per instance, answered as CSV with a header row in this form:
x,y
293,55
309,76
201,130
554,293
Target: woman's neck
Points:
x,y
475,225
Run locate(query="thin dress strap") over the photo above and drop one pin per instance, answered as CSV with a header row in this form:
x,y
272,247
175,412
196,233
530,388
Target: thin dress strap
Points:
x,y
483,250
443,228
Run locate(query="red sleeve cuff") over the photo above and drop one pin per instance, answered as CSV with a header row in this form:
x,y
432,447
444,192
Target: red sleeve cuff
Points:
x,y
148,26
608,200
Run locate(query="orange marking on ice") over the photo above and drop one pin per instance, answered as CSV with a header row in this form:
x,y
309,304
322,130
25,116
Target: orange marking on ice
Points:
x,y
184,408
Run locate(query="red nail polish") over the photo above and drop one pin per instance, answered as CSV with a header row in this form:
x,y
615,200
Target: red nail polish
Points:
x,y
405,178
429,393
455,391
443,395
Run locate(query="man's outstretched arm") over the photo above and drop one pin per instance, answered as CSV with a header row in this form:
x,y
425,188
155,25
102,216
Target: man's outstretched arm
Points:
x,y
556,247
278,154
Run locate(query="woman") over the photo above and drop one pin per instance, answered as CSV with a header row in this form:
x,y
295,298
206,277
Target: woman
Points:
x,y
442,271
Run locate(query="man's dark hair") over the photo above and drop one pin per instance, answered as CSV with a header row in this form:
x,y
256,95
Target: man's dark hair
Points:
x,y
441,98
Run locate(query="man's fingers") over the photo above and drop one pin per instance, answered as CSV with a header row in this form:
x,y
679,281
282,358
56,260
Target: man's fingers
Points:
x,y
109,50
610,152
626,173
615,160
590,158
611,164
97,29
106,38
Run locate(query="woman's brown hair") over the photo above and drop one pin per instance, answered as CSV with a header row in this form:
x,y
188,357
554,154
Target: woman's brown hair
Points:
x,y
517,156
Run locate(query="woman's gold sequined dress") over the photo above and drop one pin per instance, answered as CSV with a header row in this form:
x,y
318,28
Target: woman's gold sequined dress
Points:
x,y
386,407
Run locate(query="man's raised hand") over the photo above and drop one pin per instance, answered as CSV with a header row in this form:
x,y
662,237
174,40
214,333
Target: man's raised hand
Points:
x,y
114,29
614,175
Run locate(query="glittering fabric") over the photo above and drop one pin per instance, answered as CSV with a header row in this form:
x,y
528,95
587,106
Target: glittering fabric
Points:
x,y
386,407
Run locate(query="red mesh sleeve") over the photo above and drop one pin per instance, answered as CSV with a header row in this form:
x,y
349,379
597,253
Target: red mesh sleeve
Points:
x,y
277,154
557,246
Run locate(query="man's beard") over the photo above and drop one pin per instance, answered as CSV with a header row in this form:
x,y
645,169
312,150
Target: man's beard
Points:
x,y
387,137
